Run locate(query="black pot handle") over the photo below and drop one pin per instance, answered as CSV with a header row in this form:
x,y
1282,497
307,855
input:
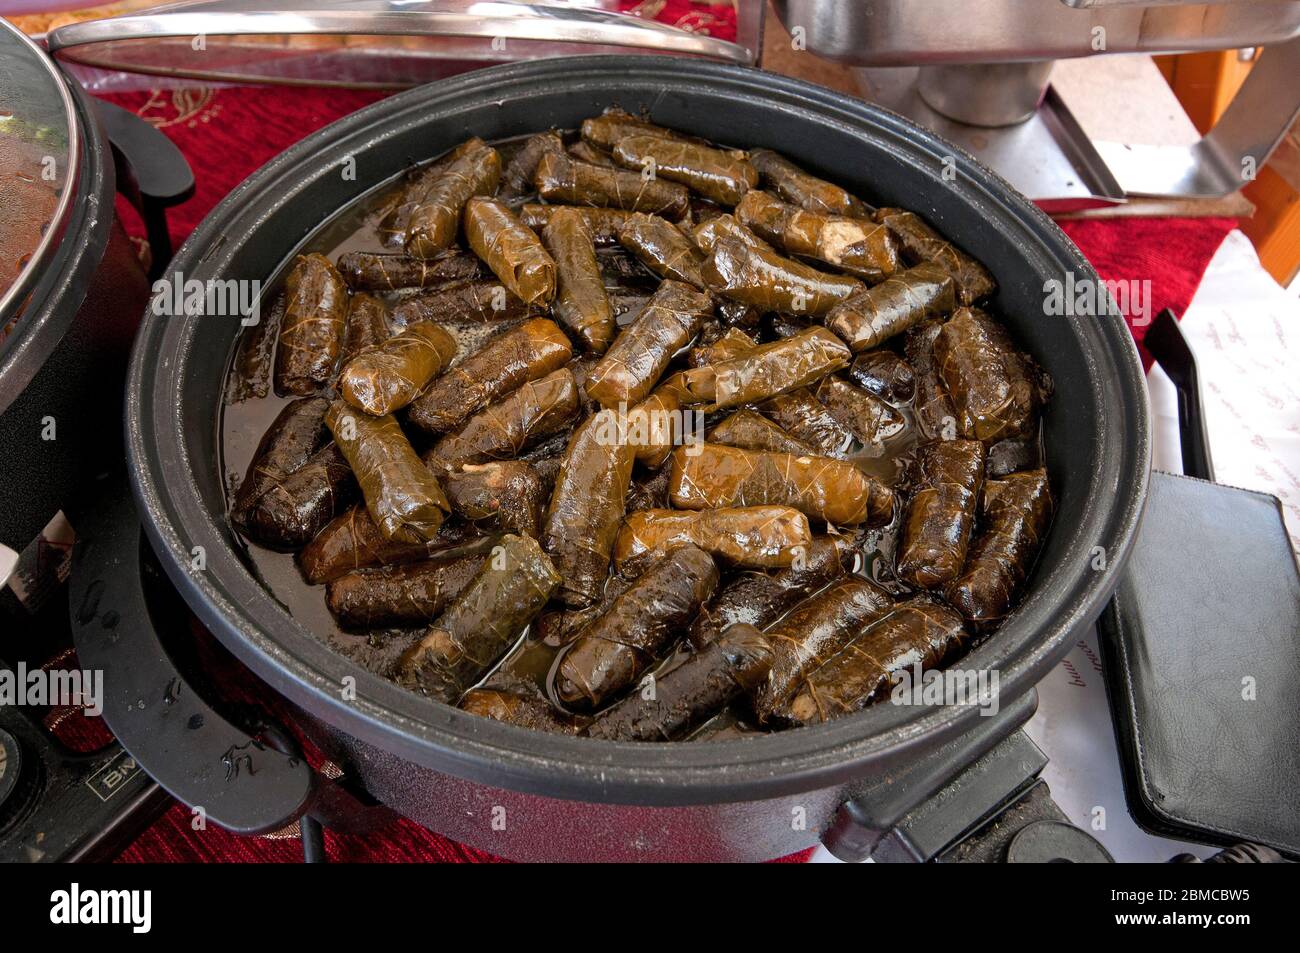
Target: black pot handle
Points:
x,y
865,821
151,173
117,597
1166,343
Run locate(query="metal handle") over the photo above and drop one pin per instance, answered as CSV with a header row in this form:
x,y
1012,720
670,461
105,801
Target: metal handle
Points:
x,y
496,20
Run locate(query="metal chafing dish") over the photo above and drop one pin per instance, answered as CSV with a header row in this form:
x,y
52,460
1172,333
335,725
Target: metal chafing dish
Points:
x,y
979,76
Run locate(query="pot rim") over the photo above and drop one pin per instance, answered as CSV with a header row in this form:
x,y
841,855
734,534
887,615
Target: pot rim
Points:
x,y
248,620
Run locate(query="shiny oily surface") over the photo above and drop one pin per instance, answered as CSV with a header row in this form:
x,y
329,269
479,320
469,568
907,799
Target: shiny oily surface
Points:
x,y
533,660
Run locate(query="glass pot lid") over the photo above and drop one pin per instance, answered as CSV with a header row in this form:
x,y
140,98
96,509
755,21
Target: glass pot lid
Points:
x,y
39,153
377,43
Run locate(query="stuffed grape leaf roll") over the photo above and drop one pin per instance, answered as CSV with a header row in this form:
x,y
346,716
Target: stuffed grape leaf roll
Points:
x,y
993,387
864,414
511,249
804,189
641,353
534,349
516,704
586,152
812,632
610,654
733,343
435,219
604,223
504,429
772,282
721,176
479,627
586,506
768,370
562,179
872,316
399,596
857,246
936,417
463,304
921,632
613,125
922,243
297,433
713,476
760,598
388,376
367,326
749,431
745,537
884,374
1017,510
402,494
517,176
311,331
508,492
396,214
292,511
800,414
581,302
351,541
369,271
658,424
663,248
941,513
687,696
708,233
253,366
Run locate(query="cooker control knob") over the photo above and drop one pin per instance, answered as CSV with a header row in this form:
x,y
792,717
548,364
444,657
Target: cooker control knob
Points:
x,y
20,784
1049,842
11,766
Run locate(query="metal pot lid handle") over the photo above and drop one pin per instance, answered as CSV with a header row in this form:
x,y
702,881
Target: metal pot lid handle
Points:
x,y
405,43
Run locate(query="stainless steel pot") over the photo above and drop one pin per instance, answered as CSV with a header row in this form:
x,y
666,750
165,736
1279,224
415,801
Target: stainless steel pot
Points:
x,y
535,796
71,292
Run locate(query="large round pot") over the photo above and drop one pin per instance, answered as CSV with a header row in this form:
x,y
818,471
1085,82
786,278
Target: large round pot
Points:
x,y
67,310
530,795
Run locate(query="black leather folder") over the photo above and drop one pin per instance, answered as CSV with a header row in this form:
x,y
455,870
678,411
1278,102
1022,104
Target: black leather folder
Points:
x,y
1202,650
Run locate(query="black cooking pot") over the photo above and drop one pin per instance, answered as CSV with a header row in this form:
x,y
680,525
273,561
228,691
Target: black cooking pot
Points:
x,y
531,795
68,316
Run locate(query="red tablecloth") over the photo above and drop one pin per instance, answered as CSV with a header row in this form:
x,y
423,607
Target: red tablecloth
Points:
x,y
228,133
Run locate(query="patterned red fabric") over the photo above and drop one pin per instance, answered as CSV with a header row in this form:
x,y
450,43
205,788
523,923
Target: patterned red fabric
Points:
x,y
1172,253
228,133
